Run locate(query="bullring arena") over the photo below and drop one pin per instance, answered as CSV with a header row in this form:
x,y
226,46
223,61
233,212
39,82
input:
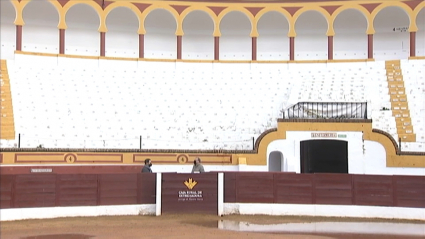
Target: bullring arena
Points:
x,y
308,116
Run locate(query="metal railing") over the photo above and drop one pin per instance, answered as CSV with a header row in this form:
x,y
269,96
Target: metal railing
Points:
x,y
326,110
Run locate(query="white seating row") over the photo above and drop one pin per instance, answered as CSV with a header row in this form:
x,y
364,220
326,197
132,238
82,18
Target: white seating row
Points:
x,y
66,102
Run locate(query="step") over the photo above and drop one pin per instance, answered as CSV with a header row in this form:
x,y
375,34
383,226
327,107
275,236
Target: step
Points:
x,y
403,123
7,136
395,89
401,113
398,99
395,85
407,137
396,92
394,72
6,120
398,96
397,79
406,129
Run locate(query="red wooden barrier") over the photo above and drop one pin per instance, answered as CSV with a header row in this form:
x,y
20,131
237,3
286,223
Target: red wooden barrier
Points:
x,y
50,190
331,189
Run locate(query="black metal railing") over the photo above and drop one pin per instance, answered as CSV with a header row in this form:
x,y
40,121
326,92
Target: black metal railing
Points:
x,y
326,110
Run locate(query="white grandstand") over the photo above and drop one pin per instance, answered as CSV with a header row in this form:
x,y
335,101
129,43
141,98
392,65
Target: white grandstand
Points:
x,y
414,81
87,103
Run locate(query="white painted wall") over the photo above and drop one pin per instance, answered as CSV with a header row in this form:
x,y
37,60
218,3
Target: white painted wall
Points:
x,y
311,42
276,209
362,228
273,40
160,38
364,157
198,39
7,30
40,32
122,39
389,44
82,36
420,34
350,40
13,214
235,40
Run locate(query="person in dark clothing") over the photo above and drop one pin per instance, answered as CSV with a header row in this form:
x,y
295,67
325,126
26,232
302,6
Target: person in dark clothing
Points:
x,y
197,166
147,167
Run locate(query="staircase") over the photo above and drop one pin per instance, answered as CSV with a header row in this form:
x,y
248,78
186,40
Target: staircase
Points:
x,y
7,125
399,104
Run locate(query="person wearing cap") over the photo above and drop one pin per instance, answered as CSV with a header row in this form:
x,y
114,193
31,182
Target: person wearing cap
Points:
x,y
147,167
197,166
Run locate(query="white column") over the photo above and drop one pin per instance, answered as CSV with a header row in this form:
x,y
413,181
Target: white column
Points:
x,y
158,194
220,193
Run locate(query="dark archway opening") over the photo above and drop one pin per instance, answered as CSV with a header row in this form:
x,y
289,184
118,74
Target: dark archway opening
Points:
x,y
324,156
275,161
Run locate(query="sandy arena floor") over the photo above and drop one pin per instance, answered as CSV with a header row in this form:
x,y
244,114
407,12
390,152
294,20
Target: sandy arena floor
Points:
x,y
166,226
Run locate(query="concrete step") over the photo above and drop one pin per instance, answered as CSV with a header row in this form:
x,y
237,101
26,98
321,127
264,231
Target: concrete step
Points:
x,y
407,137
405,130
398,99
396,79
403,123
396,92
396,89
395,85
401,113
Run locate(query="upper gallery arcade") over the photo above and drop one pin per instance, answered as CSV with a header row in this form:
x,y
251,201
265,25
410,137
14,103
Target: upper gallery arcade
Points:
x,y
287,25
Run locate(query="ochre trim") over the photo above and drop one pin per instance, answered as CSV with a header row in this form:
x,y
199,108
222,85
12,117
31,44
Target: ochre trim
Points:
x,y
260,138
257,156
417,58
378,131
192,61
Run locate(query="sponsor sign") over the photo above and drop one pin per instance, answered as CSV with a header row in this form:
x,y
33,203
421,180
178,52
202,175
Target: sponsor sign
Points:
x,y
190,194
41,170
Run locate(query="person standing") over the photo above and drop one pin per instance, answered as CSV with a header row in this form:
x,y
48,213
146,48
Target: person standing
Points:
x,y
197,166
147,167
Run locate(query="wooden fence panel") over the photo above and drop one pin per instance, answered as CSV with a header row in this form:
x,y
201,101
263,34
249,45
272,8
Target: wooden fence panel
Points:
x,y
77,190
230,189
333,189
294,188
410,191
146,188
254,187
35,190
117,189
6,191
373,190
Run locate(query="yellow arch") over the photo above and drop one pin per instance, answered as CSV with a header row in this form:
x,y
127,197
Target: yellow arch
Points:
x,y
155,6
360,8
205,9
416,12
19,6
326,15
128,5
55,4
280,10
238,8
409,12
96,7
